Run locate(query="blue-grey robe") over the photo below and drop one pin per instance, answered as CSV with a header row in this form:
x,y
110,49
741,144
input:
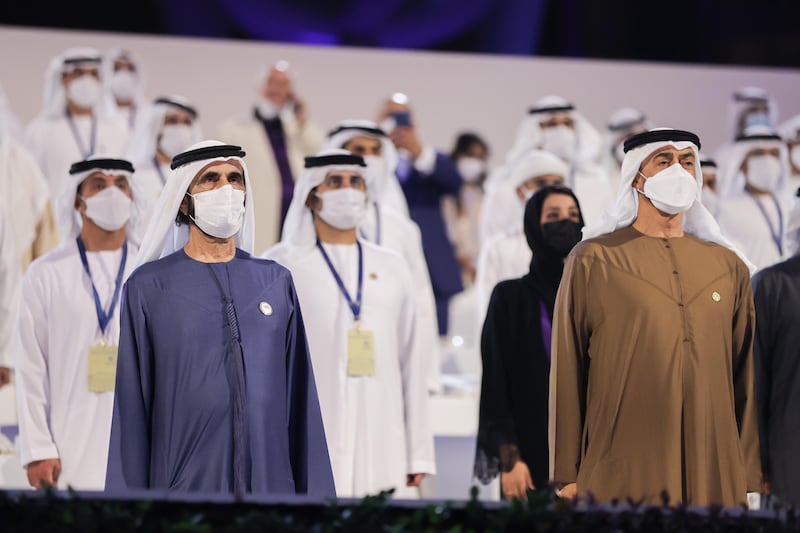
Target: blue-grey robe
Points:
x,y
212,397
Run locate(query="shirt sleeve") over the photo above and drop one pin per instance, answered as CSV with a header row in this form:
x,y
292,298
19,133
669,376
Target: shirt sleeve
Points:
x,y
426,304
440,169
9,283
419,437
744,377
129,449
569,371
33,378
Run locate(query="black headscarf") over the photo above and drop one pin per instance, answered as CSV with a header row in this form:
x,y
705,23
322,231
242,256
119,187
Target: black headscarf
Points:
x,y
547,264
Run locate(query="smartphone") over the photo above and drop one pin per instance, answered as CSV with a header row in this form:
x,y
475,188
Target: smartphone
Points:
x,y
402,118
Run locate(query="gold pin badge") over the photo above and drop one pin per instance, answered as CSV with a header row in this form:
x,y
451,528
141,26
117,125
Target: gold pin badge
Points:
x,y
715,296
265,308
373,275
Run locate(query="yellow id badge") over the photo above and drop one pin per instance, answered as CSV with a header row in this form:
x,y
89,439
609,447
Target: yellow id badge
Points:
x,y
102,368
360,353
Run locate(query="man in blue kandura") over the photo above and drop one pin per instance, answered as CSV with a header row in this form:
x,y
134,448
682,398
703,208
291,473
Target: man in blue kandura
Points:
x,y
215,390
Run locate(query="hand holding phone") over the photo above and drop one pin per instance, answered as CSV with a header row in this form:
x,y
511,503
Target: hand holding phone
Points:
x,y
402,118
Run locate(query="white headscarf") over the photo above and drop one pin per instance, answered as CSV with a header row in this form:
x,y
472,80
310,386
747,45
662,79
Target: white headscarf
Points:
x,y
744,98
377,185
144,142
697,220
298,228
54,102
529,134
730,179
163,236
790,129
10,127
107,75
622,123
533,164
501,209
65,203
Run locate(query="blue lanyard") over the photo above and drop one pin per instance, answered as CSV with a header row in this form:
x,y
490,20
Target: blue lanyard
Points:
x,y
776,237
103,317
377,226
158,169
355,306
77,136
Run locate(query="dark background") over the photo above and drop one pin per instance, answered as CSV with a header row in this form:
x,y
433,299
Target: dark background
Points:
x,y
734,32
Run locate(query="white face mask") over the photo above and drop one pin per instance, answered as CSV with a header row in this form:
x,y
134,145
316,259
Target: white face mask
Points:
x,y
673,190
794,155
764,172
123,85
219,212
110,208
343,208
559,140
175,138
471,168
84,91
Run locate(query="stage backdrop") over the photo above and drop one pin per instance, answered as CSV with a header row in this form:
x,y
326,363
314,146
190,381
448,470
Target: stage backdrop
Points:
x,y
449,92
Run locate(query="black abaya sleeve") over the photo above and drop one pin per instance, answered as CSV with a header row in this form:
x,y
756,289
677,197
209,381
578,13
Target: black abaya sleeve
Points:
x,y
497,440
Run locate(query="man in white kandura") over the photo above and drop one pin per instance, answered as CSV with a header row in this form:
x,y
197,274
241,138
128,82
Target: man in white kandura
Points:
x,y
506,255
75,122
68,329
169,127
361,321
753,206
386,222
276,133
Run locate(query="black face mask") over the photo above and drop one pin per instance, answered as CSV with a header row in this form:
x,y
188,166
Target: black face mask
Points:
x,y
561,236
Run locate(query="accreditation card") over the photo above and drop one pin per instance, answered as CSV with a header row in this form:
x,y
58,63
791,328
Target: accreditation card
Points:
x,y
360,353
102,368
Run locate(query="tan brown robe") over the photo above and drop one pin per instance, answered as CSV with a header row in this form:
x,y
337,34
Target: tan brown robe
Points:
x,y
651,384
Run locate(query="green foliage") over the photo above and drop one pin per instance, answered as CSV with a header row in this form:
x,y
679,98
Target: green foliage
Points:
x,y
542,512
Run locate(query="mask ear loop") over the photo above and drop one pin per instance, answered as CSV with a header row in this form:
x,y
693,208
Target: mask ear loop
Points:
x,y
189,210
644,178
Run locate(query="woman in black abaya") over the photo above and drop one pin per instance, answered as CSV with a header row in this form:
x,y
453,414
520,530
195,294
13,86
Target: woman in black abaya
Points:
x,y
515,350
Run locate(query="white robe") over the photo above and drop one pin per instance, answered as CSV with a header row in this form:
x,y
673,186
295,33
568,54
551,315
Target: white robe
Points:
x,y
377,427
505,256
9,281
401,235
265,178
147,184
742,222
54,147
501,209
593,189
57,322
464,229
789,192
27,205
